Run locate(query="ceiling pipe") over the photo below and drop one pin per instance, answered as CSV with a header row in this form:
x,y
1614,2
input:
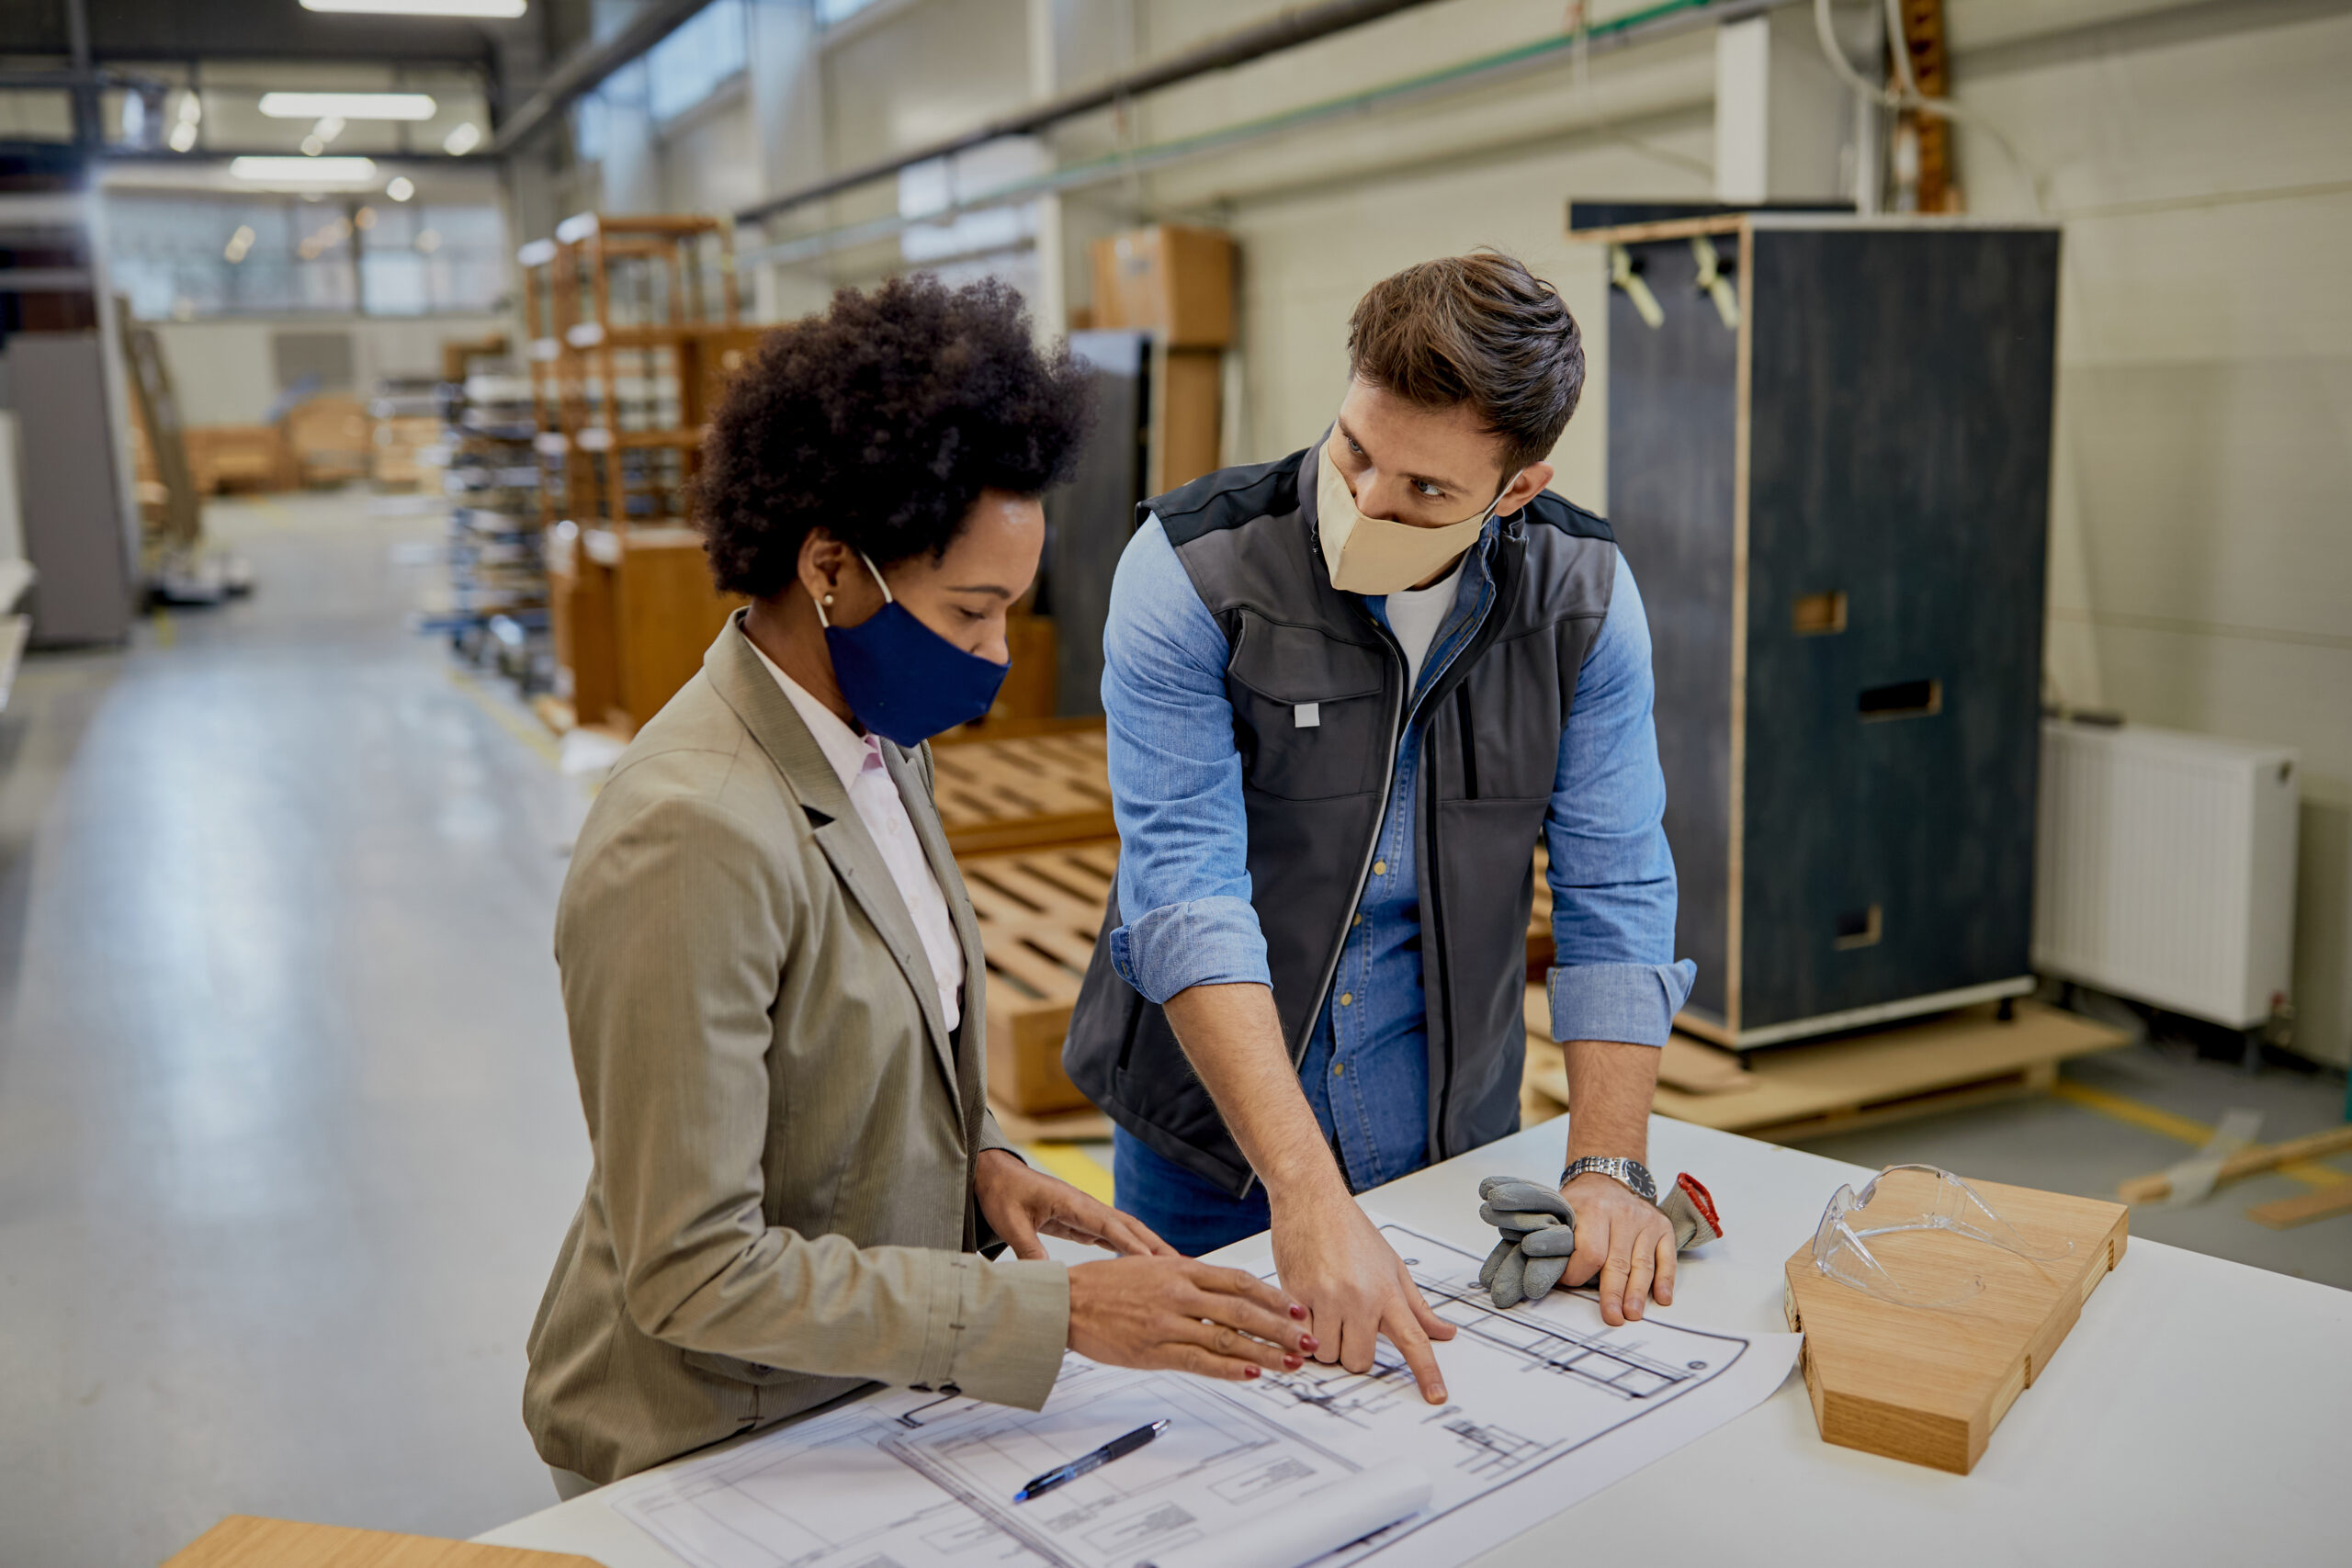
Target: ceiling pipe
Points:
x,y
584,70
1664,19
1294,25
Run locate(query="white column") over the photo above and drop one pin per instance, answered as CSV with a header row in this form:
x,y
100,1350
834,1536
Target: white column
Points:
x,y
1785,123
788,129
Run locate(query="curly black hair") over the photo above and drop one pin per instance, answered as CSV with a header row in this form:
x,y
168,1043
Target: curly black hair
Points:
x,y
882,420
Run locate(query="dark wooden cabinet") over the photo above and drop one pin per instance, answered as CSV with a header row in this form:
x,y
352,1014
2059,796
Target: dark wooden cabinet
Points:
x,y
1836,504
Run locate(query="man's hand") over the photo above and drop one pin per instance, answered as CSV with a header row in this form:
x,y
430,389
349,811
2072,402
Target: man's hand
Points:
x,y
1021,1205
1627,1245
1332,1261
1335,1263
1174,1314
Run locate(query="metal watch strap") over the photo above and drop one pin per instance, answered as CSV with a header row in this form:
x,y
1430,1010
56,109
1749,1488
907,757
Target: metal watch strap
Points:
x,y
1632,1172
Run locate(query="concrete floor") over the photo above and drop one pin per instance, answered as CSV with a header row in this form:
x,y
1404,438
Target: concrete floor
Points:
x,y
288,1135
288,1132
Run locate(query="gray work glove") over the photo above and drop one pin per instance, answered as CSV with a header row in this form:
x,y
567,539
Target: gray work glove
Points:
x,y
1538,1232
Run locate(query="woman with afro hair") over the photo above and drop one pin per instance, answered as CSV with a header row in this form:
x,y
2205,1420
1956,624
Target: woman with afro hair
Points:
x,y
771,971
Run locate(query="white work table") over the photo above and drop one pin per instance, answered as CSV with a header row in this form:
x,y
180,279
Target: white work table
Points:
x,y
2200,1411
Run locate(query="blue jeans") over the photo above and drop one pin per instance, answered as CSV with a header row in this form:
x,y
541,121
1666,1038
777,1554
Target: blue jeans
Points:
x,y
1192,1213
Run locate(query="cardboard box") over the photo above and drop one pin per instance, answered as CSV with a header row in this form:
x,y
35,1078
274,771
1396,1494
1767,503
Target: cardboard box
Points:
x,y
1172,282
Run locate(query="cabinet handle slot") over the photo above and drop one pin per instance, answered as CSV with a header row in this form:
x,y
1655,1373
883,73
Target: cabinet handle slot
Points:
x,y
1904,699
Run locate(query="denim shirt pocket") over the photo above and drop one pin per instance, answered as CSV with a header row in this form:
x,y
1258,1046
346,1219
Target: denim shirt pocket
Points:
x,y
1309,714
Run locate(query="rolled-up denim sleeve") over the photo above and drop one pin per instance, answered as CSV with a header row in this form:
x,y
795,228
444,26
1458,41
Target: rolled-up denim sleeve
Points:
x,y
1614,975
1175,783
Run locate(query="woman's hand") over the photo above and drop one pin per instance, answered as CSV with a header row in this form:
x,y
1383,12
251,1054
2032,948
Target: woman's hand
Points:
x,y
1021,1205
1175,1313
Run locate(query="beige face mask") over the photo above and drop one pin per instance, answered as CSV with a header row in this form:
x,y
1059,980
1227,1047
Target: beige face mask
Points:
x,y
1373,554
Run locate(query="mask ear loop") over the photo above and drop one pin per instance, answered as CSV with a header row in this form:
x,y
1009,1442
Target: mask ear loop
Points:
x,y
886,596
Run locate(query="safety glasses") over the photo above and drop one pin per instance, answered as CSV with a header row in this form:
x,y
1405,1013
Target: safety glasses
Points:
x,y
1841,1242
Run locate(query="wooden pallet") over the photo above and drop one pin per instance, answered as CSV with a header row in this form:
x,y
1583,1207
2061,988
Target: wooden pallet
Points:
x,y
1009,794
1039,912
1954,1060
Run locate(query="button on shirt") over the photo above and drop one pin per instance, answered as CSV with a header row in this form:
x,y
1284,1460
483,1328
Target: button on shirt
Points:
x,y
857,759
1184,883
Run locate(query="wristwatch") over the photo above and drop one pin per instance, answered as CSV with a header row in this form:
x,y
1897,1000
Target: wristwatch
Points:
x,y
1632,1172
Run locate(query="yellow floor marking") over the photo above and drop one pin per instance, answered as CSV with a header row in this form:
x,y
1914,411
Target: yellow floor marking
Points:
x,y
166,633
530,734
2186,1129
1073,1164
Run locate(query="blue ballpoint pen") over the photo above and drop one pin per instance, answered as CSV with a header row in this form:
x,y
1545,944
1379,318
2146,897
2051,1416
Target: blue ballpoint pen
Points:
x,y
1117,1448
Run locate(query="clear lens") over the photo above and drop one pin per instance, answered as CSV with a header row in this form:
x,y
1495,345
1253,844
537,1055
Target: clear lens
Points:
x,y
1841,1251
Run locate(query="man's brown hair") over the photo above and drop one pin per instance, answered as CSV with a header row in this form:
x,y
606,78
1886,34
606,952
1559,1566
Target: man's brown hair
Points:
x,y
1480,329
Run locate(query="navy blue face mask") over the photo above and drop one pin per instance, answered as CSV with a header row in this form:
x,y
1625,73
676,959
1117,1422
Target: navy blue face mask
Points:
x,y
903,681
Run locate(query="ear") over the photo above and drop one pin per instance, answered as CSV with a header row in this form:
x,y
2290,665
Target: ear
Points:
x,y
1522,490
823,558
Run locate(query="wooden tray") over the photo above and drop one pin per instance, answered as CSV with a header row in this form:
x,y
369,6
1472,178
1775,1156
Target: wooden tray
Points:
x,y
1928,1386
1956,1059
1039,789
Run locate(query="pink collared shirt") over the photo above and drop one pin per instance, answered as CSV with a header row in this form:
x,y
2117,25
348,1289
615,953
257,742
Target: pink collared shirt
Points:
x,y
857,759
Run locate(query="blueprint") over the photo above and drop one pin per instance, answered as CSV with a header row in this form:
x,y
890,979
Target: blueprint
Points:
x,y
904,1480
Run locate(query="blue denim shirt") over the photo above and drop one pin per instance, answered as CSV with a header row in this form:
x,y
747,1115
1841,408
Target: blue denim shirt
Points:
x,y
1184,877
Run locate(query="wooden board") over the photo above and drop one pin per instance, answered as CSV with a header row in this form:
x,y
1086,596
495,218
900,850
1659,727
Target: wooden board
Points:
x,y
241,1540
1042,789
665,612
2289,1212
2244,1163
580,617
1929,1386
1957,1059
1039,912
1087,1126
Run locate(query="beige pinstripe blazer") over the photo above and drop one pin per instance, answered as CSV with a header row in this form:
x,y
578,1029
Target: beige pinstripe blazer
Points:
x,y
780,1207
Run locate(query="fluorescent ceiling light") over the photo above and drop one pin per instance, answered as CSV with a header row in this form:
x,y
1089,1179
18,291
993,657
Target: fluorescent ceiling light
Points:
x,y
347,105
462,140
304,171
419,7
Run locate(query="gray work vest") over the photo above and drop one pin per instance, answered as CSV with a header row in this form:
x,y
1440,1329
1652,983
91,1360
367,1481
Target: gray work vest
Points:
x,y
1491,747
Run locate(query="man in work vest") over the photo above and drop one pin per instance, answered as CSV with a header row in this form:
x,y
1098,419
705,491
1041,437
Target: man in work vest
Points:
x,y
1349,692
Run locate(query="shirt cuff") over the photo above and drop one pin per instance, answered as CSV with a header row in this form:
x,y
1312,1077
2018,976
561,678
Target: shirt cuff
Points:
x,y
1632,1003
1204,942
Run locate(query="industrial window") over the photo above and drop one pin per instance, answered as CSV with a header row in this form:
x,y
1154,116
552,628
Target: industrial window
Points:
x,y
689,65
190,257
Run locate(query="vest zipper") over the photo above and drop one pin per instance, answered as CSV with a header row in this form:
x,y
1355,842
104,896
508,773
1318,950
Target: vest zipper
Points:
x,y
1469,743
1477,643
1364,873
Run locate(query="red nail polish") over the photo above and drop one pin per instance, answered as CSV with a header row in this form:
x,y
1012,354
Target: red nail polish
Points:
x,y
1249,1371
1297,1311
1308,1343
1291,1363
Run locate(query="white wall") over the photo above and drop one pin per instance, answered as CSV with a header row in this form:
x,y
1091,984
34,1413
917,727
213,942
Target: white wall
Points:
x,y
225,373
2199,155
2203,569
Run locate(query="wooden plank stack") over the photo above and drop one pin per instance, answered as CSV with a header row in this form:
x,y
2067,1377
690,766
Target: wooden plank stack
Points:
x,y
1035,790
1962,1058
1039,911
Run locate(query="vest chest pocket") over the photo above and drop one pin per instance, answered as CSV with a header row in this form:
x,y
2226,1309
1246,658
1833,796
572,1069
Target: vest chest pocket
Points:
x,y
1310,715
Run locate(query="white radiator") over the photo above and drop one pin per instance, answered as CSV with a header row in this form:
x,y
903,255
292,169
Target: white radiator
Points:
x,y
2165,868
